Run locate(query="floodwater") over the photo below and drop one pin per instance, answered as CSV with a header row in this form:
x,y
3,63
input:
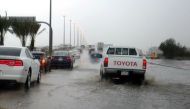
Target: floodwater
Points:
x,y
81,88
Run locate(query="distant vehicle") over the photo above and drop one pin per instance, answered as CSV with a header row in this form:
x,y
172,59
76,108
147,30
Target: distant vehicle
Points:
x,y
43,59
91,46
91,50
79,49
62,59
119,61
100,46
96,57
17,65
83,46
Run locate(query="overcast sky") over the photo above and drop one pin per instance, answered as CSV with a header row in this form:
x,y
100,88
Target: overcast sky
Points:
x,y
139,23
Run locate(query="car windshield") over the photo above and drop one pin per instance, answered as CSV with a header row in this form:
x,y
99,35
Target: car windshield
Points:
x,y
61,53
37,55
10,51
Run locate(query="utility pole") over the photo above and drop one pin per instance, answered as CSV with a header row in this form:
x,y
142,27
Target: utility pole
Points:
x,y
80,38
74,34
50,31
64,32
77,36
70,34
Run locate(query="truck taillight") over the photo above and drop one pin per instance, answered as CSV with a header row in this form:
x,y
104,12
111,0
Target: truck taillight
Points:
x,y
144,63
105,61
11,62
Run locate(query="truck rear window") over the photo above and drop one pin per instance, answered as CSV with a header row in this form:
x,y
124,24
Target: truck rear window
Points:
x,y
121,51
118,51
125,51
132,51
111,51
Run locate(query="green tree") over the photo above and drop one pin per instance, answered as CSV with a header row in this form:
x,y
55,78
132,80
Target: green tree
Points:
x,y
33,31
171,49
168,47
22,30
4,25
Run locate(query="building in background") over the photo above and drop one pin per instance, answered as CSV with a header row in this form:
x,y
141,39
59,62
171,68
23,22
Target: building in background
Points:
x,y
154,53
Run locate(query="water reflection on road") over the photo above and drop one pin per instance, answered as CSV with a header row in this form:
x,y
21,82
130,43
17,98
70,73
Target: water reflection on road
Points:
x,y
81,88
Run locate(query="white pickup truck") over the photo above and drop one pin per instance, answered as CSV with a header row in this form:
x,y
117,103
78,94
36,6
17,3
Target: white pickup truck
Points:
x,y
118,61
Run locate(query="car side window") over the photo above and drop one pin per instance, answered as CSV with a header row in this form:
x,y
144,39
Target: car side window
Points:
x,y
132,51
111,51
125,51
118,51
28,54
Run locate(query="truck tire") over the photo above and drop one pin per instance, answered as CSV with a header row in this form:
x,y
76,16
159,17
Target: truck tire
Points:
x,y
71,66
142,77
101,75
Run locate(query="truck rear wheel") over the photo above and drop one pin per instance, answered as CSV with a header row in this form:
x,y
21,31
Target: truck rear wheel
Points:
x,y
142,77
103,75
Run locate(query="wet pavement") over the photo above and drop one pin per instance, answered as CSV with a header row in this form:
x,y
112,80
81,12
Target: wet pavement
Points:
x,y
81,88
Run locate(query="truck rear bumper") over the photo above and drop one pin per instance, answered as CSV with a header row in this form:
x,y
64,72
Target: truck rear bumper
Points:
x,y
116,71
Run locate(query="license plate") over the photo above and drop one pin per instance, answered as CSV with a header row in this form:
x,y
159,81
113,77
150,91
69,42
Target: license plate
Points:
x,y
124,73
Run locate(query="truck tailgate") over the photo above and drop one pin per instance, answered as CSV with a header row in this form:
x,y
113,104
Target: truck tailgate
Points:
x,y
125,62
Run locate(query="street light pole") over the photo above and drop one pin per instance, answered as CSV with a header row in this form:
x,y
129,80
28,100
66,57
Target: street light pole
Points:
x,y
74,34
70,33
64,32
77,36
50,31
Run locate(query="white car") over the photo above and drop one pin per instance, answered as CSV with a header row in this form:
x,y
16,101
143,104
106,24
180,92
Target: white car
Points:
x,y
17,65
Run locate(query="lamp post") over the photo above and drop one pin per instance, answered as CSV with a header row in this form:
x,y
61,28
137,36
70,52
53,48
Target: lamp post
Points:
x,y
74,34
50,31
64,32
70,33
77,36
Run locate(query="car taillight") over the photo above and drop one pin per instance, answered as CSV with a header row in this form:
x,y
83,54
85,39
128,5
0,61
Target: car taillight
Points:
x,y
11,62
43,61
68,58
144,63
106,62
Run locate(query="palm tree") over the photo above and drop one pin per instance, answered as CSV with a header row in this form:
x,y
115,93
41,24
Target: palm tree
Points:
x,y
33,31
22,30
4,25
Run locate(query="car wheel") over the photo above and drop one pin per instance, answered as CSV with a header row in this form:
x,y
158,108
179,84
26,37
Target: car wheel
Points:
x,y
49,69
45,69
39,78
71,66
28,81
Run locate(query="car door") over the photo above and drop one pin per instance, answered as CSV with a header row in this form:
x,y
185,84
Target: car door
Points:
x,y
34,65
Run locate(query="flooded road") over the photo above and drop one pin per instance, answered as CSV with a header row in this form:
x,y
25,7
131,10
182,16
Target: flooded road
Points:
x,y
81,88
